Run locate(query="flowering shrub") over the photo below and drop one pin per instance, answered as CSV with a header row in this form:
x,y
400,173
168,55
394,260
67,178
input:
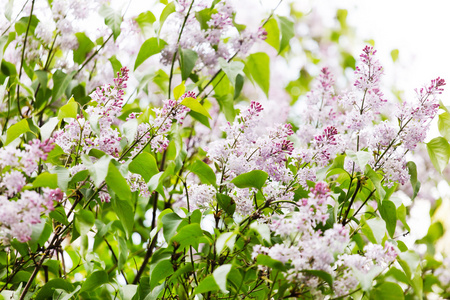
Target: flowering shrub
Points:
x,y
170,181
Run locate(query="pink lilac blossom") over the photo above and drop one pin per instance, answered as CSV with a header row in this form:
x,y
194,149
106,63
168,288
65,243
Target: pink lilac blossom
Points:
x,y
18,216
213,40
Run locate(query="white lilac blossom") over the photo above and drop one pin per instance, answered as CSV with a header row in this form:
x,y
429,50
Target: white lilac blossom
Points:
x,y
211,41
306,248
19,208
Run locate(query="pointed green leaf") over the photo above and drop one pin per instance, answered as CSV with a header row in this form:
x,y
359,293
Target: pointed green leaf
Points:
x,y
162,270
150,47
189,235
412,170
206,285
125,213
273,33
70,110
258,65
95,280
394,55
194,105
179,90
232,69
170,223
439,152
46,180
268,261
188,58
255,179
113,19
16,130
118,183
85,45
61,81
287,32
389,214
145,165
203,171
169,9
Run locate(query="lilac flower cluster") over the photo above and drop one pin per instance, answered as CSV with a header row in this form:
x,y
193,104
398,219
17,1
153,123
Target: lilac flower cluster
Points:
x,y
356,119
306,248
100,130
213,40
81,135
21,208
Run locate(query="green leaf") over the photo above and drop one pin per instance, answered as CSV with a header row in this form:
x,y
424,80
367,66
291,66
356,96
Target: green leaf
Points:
x,y
412,170
162,270
170,223
59,215
255,179
46,292
150,47
287,32
322,275
273,33
401,215
361,158
203,17
206,285
189,235
123,252
99,170
46,180
145,165
203,171
113,19
227,106
439,152
194,105
232,69
394,55
389,214
84,220
268,261
169,9
85,45
258,65
125,213
179,90
61,81
145,19
220,276
16,130
226,203
70,110
95,280
118,183
115,63
444,124
188,58
376,179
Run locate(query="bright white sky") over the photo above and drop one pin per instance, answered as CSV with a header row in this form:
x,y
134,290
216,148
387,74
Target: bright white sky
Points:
x,y
419,29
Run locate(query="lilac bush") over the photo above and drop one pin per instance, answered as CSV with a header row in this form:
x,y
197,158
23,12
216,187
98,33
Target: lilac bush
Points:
x,y
184,176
